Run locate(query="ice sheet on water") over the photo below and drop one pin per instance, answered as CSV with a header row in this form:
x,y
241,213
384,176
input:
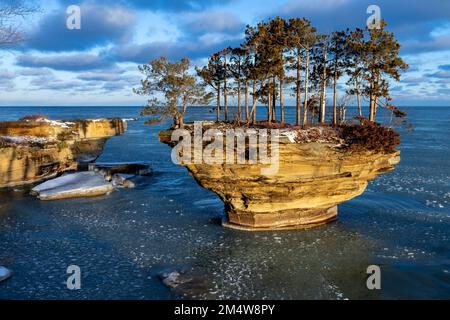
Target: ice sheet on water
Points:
x,y
80,183
71,181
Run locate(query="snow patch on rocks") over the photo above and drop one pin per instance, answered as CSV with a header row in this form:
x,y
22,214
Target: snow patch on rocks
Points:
x,y
27,139
56,123
75,185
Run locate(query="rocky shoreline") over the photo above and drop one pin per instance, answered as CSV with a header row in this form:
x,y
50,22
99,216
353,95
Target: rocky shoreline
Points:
x,y
38,149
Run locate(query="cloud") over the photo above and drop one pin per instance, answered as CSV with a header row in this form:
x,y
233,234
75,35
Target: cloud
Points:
x,y
7,74
212,21
178,5
7,84
66,62
43,82
117,32
100,25
109,76
426,45
54,84
165,5
412,81
116,86
35,72
338,13
195,49
441,74
414,22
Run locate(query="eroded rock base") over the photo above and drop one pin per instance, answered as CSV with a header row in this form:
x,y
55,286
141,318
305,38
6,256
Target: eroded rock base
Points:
x,y
282,220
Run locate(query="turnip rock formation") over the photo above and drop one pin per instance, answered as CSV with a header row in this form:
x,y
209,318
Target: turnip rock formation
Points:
x,y
313,178
36,149
315,175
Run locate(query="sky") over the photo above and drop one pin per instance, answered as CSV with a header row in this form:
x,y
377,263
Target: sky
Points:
x,y
97,64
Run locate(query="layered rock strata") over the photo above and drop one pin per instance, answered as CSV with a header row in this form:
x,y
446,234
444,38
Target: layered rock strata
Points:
x,y
31,151
313,178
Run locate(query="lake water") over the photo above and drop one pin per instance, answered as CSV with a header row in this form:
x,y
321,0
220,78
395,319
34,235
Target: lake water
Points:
x,y
123,241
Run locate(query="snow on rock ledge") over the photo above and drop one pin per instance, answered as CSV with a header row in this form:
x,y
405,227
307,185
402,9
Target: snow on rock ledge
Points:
x,y
35,150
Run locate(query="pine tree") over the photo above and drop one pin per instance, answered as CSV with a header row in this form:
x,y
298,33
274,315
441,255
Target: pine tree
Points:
x,y
381,62
237,66
225,76
176,84
301,36
354,65
278,29
338,48
321,72
211,75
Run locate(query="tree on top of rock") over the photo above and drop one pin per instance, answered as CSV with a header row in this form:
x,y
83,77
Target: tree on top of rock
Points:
x,y
178,87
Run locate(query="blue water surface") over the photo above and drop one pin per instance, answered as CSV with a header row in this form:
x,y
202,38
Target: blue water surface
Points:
x,y
123,241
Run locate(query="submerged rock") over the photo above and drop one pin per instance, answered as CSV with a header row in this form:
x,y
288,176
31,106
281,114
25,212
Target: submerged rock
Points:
x,y
189,283
4,273
123,180
112,168
75,185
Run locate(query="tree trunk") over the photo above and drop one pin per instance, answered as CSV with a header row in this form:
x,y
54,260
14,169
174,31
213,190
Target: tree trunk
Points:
x,y
323,98
376,99
269,103
254,102
274,100
372,109
281,99
218,103
297,96
323,101
375,108
239,99
178,118
246,100
335,96
177,121
305,104
358,99
225,99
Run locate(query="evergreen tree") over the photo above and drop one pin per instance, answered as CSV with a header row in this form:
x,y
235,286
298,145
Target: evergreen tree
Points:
x,y
381,62
278,40
321,72
354,68
211,75
225,76
338,48
178,87
237,67
301,36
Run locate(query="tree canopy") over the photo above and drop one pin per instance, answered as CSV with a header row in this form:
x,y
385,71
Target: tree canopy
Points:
x,y
278,55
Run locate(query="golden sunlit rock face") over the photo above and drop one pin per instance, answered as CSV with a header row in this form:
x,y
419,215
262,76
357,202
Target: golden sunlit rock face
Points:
x,y
313,178
32,151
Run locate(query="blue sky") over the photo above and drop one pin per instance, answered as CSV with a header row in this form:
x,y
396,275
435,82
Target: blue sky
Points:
x,y
97,65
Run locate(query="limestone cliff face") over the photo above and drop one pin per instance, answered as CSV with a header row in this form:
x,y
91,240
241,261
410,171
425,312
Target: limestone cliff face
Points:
x,y
32,151
313,178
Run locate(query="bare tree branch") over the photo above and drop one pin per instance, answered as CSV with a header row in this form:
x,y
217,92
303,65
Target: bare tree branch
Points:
x,y
11,12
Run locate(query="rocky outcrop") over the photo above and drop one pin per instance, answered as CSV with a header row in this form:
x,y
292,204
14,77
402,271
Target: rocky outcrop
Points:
x,y
112,168
34,150
313,178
